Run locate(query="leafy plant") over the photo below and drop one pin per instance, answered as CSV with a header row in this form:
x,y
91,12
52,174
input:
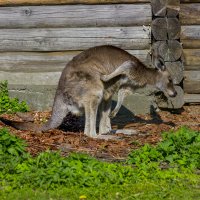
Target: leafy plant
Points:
x,y
10,105
179,149
80,175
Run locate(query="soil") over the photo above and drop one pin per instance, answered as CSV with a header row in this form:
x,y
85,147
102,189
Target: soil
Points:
x,y
70,138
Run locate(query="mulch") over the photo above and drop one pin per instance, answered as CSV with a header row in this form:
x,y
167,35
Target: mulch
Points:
x,y
70,138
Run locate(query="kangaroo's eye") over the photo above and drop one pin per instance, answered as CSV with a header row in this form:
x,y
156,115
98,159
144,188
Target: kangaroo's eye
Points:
x,y
170,80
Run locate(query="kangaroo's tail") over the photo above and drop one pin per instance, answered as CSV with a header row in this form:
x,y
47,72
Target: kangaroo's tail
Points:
x,y
22,125
58,113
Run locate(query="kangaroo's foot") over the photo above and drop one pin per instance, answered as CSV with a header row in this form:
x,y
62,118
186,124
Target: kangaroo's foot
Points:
x,y
124,131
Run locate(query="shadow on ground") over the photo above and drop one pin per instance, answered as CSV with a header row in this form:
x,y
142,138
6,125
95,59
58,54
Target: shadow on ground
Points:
x,y
124,117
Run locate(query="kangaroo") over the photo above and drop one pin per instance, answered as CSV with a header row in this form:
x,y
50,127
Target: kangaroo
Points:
x,y
132,72
88,83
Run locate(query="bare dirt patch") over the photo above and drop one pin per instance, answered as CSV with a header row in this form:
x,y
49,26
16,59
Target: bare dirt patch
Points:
x,y
69,137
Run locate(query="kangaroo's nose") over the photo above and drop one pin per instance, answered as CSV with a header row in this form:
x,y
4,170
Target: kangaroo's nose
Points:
x,y
174,94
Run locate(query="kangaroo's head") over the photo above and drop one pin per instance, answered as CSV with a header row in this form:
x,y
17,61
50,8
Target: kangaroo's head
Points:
x,y
164,80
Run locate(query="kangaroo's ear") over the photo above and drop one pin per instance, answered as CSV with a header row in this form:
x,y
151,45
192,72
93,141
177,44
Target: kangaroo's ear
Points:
x,y
159,64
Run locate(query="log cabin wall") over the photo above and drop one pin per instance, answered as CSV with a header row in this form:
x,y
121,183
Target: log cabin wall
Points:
x,y
38,38
166,43
190,38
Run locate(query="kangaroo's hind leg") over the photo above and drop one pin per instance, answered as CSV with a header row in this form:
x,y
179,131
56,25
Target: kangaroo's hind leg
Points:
x,y
91,107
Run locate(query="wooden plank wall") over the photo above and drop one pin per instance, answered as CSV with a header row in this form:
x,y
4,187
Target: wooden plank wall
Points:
x,y
166,30
37,41
190,38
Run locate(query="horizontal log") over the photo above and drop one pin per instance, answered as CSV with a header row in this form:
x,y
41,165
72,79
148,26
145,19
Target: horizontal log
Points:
x,y
166,28
162,8
39,78
191,82
176,71
75,16
192,67
56,2
192,98
190,14
191,44
47,61
72,38
38,97
190,1
170,50
190,36
191,57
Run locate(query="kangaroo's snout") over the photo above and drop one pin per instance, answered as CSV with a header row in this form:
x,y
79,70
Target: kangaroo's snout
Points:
x,y
173,94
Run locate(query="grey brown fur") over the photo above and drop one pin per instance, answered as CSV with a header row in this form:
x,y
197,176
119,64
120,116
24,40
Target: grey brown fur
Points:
x,y
81,89
139,76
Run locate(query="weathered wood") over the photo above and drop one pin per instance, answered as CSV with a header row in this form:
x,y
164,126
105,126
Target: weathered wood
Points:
x,y
190,1
192,98
163,8
46,61
190,36
73,38
172,102
159,28
170,50
166,28
192,67
56,2
191,57
176,71
39,78
190,14
190,44
75,16
38,97
173,28
191,82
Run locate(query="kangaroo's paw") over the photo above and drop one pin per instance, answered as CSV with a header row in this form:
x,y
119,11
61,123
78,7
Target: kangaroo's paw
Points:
x,y
112,114
105,78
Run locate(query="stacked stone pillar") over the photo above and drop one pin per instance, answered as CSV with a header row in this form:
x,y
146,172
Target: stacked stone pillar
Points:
x,y
166,30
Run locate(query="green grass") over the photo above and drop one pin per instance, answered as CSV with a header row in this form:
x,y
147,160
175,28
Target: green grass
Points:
x,y
148,190
10,105
166,171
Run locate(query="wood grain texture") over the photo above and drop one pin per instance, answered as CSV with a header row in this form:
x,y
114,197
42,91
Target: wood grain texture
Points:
x,y
72,38
170,50
190,1
159,28
47,61
190,36
192,98
56,2
75,16
39,78
190,14
191,57
162,8
191,82
166,28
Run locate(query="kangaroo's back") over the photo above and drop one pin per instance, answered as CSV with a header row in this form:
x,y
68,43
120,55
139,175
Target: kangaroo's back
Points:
x,y
104,59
